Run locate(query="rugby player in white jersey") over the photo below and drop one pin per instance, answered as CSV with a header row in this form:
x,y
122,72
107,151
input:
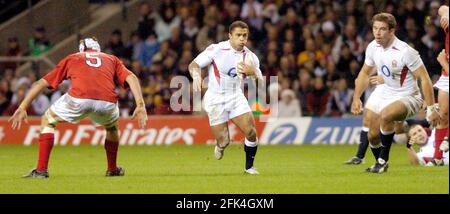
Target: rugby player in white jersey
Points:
x,y
401,67
224,99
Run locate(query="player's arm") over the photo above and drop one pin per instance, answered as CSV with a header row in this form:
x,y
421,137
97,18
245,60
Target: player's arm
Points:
x,y
443,13
140,113
196,74
442,59
412,156
195,67
421,74
21,113
361,84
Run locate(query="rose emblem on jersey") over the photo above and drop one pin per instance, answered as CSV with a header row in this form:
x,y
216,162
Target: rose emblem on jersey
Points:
x,y
394,63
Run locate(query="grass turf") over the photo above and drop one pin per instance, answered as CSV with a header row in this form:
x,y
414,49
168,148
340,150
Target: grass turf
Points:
x,y
193,169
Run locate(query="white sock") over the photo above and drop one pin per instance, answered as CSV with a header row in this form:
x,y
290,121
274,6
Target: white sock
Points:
x,y
251,144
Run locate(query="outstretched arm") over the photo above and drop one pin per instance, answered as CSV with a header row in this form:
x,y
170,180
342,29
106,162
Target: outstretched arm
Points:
x,y
140,113
21,113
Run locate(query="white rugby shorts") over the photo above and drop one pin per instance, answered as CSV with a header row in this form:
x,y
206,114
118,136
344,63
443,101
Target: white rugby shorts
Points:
x,y
375,99
412,102
221,108
73,109
442,84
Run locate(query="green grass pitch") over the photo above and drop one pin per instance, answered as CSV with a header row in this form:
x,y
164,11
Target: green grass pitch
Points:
x,y
193,169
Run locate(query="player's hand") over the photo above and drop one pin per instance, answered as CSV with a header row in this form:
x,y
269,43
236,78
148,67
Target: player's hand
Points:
x,y
247,69
442,57
19,115
444,22
376,80
196,82
433,115
141,115
433,119
357,107
408,144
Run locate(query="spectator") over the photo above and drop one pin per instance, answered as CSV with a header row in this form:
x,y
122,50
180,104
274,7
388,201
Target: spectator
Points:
x,y
304,89
5,88
166,23
329,32
289,106
14,105
343,65
40,104
133,47
341,99
12,51
147,20
4,102
115,45
270,11
317,99
190,28
39,43
311,53
148,49
210,33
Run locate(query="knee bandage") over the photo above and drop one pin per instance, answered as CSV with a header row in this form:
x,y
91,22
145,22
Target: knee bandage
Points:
x,y
250,144
50,119
47,129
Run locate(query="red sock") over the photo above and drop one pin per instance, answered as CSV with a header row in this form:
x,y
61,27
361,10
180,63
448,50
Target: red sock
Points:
x,y
111,148
45,147
439,137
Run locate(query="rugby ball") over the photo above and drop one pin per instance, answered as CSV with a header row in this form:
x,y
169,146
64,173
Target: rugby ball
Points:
x,y
247,59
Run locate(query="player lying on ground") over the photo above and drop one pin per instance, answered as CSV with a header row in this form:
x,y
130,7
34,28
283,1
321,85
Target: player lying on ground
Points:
x,y
422,136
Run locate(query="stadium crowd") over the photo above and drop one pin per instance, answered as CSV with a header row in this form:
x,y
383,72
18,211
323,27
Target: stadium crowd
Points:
x,y
316,48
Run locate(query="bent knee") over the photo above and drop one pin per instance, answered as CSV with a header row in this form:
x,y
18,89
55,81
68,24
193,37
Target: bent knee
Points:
x,y
386,117
49,119
251,135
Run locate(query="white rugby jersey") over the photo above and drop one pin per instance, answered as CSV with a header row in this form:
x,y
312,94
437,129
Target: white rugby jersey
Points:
x,y
222,60
396,64
427,150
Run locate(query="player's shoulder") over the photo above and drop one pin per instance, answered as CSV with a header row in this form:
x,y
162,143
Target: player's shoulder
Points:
x,y
401,45
372,45
248,51
213,48
223,44
405,48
